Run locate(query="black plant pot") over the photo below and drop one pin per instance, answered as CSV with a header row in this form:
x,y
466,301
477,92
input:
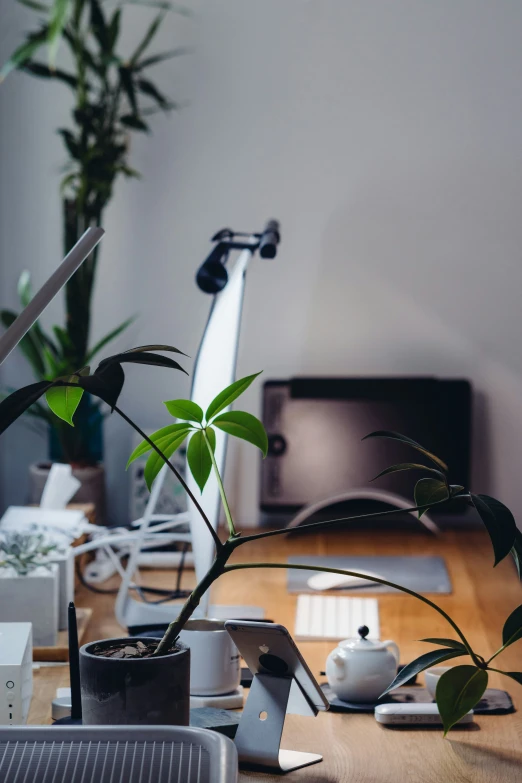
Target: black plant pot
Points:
x,y
129,691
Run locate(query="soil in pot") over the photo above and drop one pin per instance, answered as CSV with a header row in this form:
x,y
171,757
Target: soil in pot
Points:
x,y
123,683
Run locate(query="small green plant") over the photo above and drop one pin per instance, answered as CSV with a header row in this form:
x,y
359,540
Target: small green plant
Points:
x,y
24,552
460,688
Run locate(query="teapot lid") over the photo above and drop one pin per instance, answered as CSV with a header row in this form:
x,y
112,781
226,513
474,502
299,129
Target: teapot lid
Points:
x,y
362,644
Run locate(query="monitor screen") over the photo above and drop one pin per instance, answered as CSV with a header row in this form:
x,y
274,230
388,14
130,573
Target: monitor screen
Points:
x,y
316,425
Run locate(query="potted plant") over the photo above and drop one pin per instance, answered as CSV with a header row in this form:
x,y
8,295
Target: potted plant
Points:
x,y
113,97
29,584
458,689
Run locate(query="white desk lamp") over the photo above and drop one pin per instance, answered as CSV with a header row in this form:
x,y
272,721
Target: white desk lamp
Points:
x,y
214,369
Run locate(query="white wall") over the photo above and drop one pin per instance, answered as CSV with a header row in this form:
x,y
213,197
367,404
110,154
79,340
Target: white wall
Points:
x,y
386,137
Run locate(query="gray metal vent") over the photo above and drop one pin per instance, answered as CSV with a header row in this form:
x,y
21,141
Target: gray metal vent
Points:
x,y
58,757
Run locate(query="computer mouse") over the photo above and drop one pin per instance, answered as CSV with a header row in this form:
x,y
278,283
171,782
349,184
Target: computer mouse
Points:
x,y
327,581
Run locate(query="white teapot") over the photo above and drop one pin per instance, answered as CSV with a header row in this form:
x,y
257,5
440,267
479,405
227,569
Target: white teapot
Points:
x,y
359,670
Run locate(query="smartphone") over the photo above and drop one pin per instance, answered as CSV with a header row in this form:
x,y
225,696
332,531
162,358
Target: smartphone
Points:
x,y
268,648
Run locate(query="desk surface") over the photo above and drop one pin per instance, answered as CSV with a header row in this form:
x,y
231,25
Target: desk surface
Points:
x,y
355,747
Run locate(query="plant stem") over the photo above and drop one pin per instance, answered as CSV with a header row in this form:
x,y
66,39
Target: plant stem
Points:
x,y
230,521
501,649
328,522
192,602
239,566
180,478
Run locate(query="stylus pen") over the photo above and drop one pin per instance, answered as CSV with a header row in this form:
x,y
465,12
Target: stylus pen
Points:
x,y
74,665
48,291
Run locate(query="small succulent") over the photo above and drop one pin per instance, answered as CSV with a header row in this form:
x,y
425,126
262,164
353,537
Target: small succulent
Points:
x,y
24,552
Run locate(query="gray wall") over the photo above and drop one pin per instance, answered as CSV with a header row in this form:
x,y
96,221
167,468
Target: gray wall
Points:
x,y
385,136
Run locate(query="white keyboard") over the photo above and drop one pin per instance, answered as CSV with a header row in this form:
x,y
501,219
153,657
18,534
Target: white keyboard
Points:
x,y
333,618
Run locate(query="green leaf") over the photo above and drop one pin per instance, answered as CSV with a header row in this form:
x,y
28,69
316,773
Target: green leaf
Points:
x,y
145,348
516,552
148,88
211,437
45,72
185,409
163,4
129,88
70,142
168,446
228,395
408,466
24,288
517,676
59,15
99,26
198,459
141,357
419,665
159,58
172,430
512,630
149,35
35,6
28,344
109,338
430,491
245,426
134,122
24,52
447,643
106,383
458,691
12,407
409,442
455,489
114,29
64,400
499,522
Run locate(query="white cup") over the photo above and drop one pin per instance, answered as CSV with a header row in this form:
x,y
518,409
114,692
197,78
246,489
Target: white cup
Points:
x,y
431,678
214,658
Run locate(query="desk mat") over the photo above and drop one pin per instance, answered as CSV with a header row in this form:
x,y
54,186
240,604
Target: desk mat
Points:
x,y
494,701
422,574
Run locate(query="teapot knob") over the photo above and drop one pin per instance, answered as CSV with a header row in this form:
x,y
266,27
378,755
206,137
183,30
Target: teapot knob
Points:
x,y
363,631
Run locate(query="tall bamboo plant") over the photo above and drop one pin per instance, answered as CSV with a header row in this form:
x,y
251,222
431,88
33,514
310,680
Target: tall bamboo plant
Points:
x,y
461,687
112,97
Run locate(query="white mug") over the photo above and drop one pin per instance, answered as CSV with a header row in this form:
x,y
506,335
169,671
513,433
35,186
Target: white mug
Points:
x,y
431,678
214,658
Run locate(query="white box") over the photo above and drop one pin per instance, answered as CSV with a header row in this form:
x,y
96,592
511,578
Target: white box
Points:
x,y
34,599
16,672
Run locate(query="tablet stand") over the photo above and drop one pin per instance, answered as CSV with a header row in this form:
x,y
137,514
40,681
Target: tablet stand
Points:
x,y
259,732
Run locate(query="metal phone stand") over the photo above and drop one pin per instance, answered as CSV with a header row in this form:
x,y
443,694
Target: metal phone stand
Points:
x,y
259,732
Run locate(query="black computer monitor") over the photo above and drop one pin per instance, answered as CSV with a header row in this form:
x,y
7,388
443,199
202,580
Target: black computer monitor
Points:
x,y
315,427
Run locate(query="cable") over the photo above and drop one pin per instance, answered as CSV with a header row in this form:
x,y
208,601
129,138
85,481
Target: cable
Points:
x,y
167,595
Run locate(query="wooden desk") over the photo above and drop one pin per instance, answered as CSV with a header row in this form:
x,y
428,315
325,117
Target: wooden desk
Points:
x,y
355,747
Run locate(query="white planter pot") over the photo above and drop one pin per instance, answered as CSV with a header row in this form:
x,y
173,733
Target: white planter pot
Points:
x,y
215,666
33,599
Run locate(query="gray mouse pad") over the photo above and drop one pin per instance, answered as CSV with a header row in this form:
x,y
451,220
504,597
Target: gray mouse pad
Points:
x,y
422,574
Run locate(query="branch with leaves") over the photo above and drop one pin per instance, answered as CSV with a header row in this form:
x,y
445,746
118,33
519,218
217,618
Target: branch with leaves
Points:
x,y
458,689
